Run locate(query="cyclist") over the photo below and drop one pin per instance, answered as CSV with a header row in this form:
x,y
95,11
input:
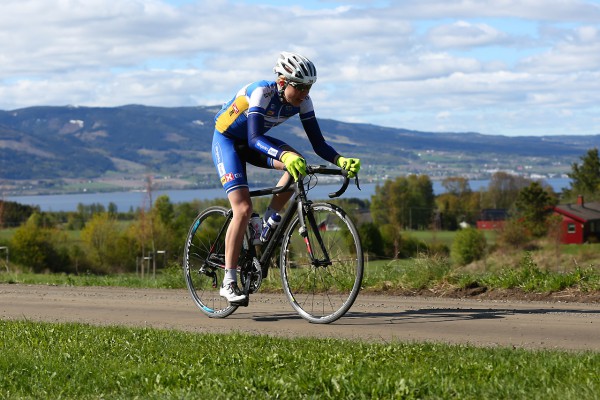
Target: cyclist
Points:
x,y
239,138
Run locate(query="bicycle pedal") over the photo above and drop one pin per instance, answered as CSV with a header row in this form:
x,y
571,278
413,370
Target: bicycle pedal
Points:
x,y
241,303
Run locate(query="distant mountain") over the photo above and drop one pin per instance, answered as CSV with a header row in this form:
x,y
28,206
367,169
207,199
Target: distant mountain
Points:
x,y
87,142
58,142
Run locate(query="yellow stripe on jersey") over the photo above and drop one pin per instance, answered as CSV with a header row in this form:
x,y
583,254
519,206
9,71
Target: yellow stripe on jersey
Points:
x,y
228,117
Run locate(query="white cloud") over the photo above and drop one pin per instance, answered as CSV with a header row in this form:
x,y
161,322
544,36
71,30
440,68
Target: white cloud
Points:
x,y
539,10
403,64
464,34
443,115
578,50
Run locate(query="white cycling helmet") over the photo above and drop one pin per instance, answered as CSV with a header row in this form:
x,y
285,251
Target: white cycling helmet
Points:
x,y
296,68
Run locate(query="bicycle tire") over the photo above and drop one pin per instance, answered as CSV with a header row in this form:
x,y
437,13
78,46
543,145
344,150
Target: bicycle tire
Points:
x,y
322,294
204,280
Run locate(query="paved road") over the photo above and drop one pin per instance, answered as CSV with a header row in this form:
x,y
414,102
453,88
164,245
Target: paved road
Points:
x,y
531,325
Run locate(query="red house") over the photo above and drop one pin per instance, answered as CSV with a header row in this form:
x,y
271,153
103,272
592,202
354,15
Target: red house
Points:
x,y
580,222
492,218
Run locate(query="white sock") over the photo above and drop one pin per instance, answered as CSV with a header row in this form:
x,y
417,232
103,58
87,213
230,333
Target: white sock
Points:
x,y
230,276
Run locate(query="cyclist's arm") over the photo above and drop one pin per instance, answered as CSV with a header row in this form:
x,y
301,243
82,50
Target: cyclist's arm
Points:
x,y
256,135
313,131
258,99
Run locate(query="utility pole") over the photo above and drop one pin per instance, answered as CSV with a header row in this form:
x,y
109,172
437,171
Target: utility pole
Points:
x,y
152,242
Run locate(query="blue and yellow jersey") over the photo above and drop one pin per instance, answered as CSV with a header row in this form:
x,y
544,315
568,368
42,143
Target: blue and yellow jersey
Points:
x,y
256,108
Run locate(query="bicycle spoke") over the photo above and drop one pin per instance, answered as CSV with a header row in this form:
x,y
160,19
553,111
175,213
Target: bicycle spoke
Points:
x,y
203,262
322,288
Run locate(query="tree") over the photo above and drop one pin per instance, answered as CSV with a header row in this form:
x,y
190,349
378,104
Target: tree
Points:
x,y
586,177
78,219
163,228
383,214
449,207
164,209
38,247
503,189
15,214
453,205
406,202
391,236
165,233
421,201
457,185
113,210
101,237
533,206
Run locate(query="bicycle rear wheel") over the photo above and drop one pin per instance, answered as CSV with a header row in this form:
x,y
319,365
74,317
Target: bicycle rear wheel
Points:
x,y
323,288
203,262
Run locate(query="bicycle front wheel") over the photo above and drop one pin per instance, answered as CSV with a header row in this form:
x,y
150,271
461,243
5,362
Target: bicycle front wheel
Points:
x,y
322,287
203,261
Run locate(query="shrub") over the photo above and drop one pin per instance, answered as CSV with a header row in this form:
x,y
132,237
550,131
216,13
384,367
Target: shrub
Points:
x,y
411,247
39,248
469,245
425,271
371,239
438,249
391,240
102,238
514,235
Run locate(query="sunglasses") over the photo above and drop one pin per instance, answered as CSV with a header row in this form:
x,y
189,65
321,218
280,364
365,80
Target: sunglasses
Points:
x,y
300,86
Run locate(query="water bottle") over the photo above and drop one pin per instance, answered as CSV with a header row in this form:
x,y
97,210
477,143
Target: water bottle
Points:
x,y
256,228
270,227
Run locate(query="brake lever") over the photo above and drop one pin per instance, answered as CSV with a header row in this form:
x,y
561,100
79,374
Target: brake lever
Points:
x,y
344,185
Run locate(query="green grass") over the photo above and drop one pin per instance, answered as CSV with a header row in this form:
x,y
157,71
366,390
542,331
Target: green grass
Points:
x,y
6,234
169,278
413,274
530,278
380,275
431,272
43,360
445,237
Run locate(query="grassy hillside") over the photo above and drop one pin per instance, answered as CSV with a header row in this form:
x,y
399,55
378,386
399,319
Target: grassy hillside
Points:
x,y
51,144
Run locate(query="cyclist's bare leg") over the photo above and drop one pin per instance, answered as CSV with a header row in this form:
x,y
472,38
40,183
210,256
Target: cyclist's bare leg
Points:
x,y
241,205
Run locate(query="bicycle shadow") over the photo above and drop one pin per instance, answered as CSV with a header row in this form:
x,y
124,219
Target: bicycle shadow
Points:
x,y
426,315
429,315
276,317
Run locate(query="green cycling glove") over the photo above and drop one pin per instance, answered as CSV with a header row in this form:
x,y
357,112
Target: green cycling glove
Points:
x,y
294,164
352,165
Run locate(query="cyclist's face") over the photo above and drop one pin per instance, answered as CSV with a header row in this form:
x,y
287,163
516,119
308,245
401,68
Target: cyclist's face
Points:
x,y
295,95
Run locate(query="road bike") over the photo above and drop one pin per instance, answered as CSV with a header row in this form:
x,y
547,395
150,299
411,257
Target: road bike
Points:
x,y
320,254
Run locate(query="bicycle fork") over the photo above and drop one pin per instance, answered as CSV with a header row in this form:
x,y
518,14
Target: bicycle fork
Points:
x,y
306,214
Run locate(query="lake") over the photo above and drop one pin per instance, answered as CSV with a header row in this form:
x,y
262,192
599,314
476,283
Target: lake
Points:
x,y
126,200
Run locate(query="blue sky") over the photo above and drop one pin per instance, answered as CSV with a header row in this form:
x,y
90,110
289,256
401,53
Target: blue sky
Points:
x,y
509,67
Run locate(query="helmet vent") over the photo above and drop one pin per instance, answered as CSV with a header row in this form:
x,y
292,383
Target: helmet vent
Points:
x,y
296,67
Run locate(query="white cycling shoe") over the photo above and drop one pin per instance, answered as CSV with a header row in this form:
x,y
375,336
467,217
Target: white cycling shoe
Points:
x,y
232,293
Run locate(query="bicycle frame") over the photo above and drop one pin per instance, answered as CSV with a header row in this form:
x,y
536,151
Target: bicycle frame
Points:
x,y
298,203
301,203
